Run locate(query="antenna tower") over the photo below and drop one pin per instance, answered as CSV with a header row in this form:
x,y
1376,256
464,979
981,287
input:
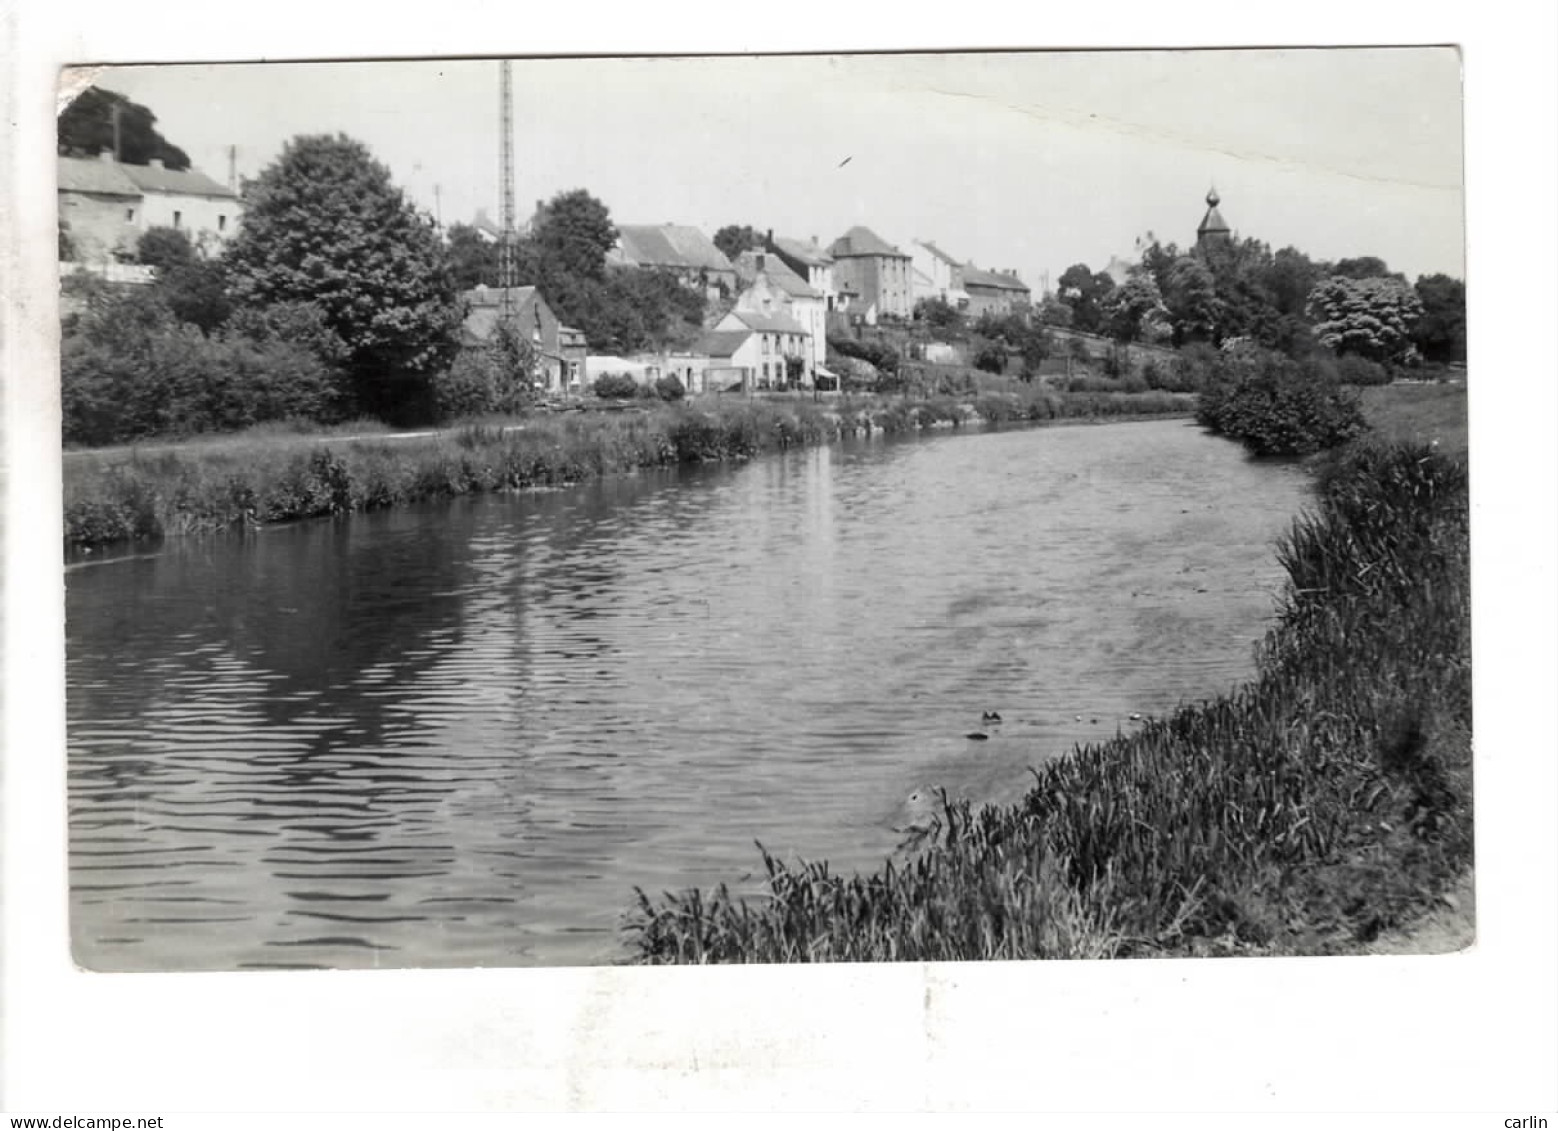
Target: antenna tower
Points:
x,y
506,264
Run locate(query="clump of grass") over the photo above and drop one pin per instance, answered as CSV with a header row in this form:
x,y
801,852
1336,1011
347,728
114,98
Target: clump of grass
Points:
x,y
1325,801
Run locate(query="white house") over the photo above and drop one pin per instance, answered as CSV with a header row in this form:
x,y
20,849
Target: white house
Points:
x,y
937,275
107,205
773,288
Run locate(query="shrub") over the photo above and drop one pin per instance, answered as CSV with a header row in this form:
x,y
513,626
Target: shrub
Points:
x,y
616,386
991,358
670,388
1275,406
479,383
1354,370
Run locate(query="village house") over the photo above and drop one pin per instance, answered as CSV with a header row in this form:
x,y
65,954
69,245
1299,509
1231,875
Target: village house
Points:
x,y
809,261
995,292
561,349
874,270
776,339
683,251
107,205
772,287
942,275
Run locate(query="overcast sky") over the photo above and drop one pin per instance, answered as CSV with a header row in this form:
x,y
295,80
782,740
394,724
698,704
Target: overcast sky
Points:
x,y
1021,160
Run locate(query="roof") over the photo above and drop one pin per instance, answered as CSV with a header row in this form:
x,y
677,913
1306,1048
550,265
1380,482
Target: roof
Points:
x,y
974,277
149,178
938,253
778,272
862,241
808,252
90,174
486,305
1213,222
721,343
769,323
670,245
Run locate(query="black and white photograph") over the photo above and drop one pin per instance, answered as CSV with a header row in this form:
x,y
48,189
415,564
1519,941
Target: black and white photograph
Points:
x,y
560,515
780,509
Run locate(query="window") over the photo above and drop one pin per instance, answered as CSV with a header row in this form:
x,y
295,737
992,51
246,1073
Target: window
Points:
x,y
129,213
177,217
221,223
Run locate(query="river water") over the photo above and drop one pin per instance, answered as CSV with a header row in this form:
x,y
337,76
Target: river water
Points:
x,y
461,734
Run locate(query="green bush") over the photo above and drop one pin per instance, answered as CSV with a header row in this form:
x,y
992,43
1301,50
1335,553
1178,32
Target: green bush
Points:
x,y
670,388
1354,370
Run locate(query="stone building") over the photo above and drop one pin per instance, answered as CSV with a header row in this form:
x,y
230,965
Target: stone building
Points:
x,y
867,266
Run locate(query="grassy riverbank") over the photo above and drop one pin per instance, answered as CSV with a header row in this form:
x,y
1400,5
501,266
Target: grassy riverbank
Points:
x,y
1325,802
217,484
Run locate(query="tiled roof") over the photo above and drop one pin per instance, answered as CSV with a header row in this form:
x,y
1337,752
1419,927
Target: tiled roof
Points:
x,y
769,323
807,251
149,178
89,174
974,277
486,305
778,272
721,343
670,245
862,241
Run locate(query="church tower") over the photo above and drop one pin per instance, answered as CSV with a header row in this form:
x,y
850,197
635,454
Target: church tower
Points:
x,y
1213,229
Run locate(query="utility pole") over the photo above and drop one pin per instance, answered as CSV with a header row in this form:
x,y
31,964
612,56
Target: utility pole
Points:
x,y
506,257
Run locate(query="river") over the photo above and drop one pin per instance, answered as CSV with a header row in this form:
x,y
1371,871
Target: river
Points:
x,y
461,734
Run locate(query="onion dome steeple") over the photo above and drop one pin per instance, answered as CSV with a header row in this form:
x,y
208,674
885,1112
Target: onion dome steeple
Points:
x,y
1213,226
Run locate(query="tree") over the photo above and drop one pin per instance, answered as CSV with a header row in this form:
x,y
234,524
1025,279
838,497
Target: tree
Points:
x,y
939,314
574,235
86,129
473,259
1053,312
324,225
1440,334
1135,310
991,358
164,249
1190,298
1364,267
1084,290
733,240
1370,317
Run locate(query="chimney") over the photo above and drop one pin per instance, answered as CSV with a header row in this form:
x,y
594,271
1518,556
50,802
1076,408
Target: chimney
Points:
x,y
768,240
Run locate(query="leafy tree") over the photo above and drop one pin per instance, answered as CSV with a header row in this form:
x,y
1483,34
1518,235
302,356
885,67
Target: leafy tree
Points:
x,y
1135,311
86,129
1440,334
1371,317
1364,267
473,260
1084,291
1053,312
164,249
939,314
733,240
324,225
574,235
1190,298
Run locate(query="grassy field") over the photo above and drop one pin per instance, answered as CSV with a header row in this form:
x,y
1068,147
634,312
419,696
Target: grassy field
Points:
x,y
1322,805
266,476
1420,414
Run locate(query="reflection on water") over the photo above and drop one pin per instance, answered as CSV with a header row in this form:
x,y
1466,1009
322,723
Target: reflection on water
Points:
x,y
461,734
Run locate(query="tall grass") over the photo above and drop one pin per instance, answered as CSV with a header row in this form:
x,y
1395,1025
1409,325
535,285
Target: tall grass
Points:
x,y
1325,801
258,477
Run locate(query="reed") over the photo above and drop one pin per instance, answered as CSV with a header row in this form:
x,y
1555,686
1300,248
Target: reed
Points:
x,y
1325,801
216,484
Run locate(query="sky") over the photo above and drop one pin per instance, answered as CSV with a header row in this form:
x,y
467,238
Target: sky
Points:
x,y
1016,160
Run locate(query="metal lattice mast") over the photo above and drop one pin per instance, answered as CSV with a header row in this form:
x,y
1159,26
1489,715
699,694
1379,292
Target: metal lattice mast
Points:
x,y
507,267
